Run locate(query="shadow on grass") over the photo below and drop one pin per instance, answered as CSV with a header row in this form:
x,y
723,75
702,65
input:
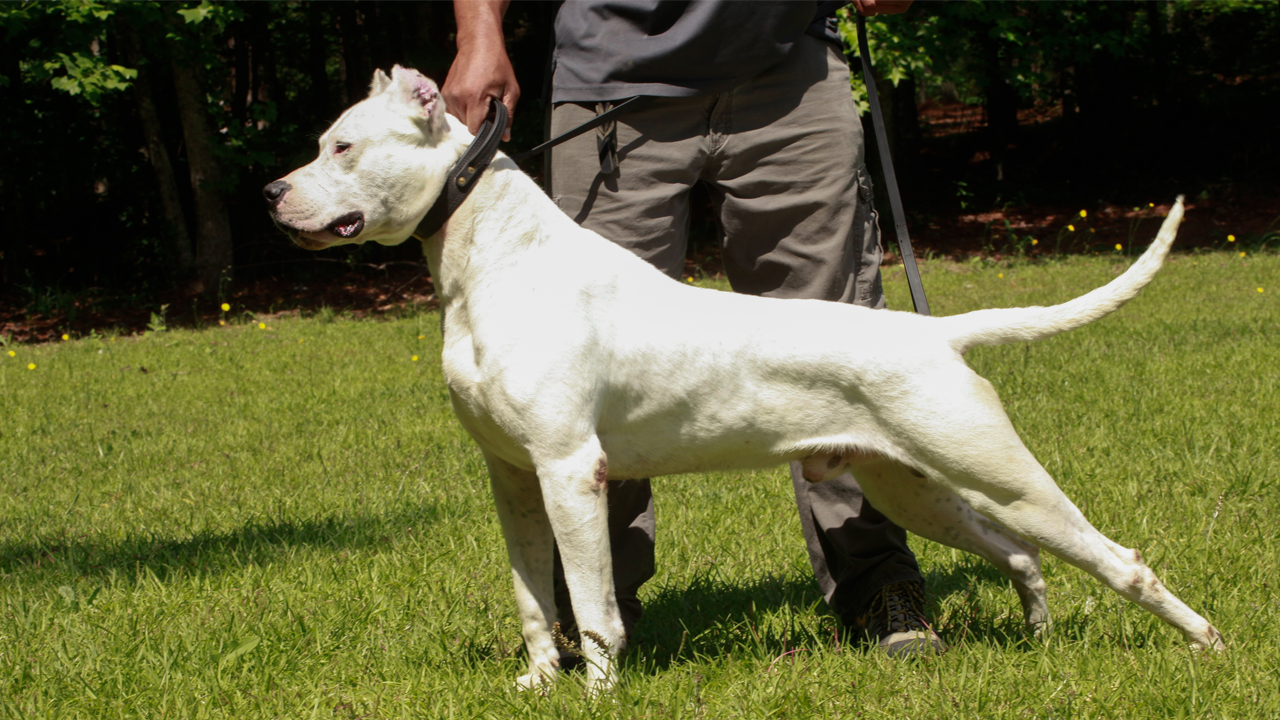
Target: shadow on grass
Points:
x,y
769,616
203,552
972,619
711,616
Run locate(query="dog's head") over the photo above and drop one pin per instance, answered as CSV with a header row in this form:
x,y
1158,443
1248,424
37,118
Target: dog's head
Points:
x,y
381,166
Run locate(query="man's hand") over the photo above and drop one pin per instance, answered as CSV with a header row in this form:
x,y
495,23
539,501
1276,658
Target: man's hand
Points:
x,y
481,70
869,8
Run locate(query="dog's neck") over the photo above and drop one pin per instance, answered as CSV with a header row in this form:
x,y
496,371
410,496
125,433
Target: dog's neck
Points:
x,y
505,212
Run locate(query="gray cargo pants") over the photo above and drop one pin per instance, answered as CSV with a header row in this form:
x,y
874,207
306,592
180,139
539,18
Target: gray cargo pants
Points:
x,y
783,157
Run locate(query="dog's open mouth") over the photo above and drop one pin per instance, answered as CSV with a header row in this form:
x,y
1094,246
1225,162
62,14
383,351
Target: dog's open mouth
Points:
x,y
348,226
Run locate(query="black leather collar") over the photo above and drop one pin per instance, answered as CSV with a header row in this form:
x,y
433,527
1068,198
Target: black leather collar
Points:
x,y
466,171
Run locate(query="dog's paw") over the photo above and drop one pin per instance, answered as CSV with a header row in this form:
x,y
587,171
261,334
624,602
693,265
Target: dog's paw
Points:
x,y
533,681
1212,640
1040,626
601,687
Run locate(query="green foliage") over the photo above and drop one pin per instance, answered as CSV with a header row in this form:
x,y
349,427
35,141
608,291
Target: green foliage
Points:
x,y
1040,44
87,75
70,60
79,190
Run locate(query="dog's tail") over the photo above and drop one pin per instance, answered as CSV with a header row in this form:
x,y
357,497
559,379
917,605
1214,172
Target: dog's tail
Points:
x,y
998,326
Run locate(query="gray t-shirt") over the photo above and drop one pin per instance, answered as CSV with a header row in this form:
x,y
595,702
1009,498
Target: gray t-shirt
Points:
x,y
615,49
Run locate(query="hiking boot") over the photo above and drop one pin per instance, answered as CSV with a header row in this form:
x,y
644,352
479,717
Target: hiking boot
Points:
x,y
895,621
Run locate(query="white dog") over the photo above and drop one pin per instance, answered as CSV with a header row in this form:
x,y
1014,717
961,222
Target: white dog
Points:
x,y
572,362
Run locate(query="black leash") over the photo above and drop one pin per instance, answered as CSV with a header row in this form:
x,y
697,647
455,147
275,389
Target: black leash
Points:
x,y
480,153
592,124
918,300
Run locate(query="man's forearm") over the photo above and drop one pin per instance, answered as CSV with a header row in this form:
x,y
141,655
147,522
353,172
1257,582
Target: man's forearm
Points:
x,y
481,70
479,23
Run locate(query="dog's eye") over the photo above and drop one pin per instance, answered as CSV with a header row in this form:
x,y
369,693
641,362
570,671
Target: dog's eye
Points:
x,y
341,147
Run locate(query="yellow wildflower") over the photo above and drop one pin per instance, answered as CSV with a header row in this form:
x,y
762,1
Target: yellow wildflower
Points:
x,y
1072,228
1119,246
222,322
1231,238
1259,289
262,326
1001,275
13,354
414,358
1151,204
1084,213
1241,253
422,337
1035,241
66,336
31,366
226,307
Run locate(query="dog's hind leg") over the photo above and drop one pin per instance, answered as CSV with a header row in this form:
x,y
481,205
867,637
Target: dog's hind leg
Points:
x,y
1049,518
529,548
931,511
574,489
969,445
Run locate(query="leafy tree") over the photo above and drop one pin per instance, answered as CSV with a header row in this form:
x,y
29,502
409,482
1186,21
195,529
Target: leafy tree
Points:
x,y
145,130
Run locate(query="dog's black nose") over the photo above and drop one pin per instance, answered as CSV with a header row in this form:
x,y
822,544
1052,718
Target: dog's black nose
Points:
x,y
275,191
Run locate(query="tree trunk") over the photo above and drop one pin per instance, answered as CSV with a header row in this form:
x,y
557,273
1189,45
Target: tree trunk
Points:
x,y
241,84
1159,67
1000,102
906,122
317,56
171,205
265,80
213,226
14,117
355,67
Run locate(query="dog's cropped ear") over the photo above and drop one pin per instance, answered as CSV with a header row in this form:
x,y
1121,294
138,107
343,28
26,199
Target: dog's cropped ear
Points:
x,y
416,90
380,82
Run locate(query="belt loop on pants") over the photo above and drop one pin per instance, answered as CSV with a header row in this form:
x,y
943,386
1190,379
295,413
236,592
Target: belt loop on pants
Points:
x,y
607,140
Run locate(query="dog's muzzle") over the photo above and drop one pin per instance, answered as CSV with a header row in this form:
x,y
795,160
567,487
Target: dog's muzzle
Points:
x,y
347,226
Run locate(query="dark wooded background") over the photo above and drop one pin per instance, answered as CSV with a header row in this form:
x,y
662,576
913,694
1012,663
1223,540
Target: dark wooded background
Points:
x,y
140,134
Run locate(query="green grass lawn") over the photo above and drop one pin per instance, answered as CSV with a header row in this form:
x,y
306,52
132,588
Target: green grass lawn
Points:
x,y
288,522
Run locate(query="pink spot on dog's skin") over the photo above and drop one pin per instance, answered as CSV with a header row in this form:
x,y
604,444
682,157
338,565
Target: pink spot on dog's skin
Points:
x,y
426,95
602,472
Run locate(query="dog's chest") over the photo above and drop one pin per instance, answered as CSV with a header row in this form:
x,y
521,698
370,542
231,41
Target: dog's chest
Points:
x,y
472,402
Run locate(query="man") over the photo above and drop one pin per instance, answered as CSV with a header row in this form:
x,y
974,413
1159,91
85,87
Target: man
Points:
x,y
751,98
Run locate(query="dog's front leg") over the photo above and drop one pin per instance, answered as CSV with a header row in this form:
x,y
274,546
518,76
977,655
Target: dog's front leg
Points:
x,y
529,548
574,489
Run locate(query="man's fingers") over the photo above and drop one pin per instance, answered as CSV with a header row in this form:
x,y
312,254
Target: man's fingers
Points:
x,y
512,95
